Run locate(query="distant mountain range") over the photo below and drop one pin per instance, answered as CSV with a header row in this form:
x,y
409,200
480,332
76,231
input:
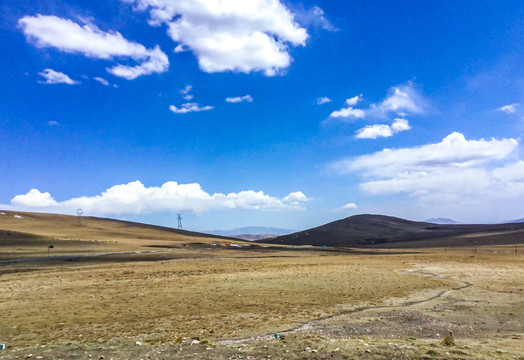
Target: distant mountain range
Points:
x,y
442,221
252,233
386,232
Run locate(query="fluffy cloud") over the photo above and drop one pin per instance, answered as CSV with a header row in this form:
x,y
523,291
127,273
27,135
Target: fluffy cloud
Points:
x,y
475,179
53,123
323,100
402,100
295,198
88,40
56,77
345,208
454,152
509,109
348,112
34,198
381,130
189,107
135,198
229,35
353,101
239,99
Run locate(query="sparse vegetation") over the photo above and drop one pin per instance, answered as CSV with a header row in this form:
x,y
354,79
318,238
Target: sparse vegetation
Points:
x,y
219,303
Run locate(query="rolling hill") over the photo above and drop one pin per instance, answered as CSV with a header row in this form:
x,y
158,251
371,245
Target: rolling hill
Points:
x,y
27,233
386,231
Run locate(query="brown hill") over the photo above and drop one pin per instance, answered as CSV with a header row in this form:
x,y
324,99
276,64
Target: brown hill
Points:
x,y
386,231
24,234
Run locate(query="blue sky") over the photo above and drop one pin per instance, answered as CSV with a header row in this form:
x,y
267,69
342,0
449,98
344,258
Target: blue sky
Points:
x,y
287,114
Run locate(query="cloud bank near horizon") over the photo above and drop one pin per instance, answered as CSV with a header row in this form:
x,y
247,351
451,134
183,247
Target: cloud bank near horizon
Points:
x,y
456,173
135,198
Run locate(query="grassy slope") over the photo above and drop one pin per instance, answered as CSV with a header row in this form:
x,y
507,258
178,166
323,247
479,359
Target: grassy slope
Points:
x,y
386,231
34,232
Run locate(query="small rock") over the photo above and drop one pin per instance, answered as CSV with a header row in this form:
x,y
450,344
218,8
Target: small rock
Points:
x,y
138,343
29,356
195,342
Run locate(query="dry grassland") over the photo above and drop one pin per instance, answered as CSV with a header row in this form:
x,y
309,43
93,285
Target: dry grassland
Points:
x,y
213,298
323,303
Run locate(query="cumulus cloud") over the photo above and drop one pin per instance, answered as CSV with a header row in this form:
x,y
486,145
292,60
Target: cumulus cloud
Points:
x,y
239,99
509,109
229,35
400,100
323,100
53,123
454,166
348,112
34,198
67,36
296,198
55,77
189,107
453,152
353,101
382,130
135,198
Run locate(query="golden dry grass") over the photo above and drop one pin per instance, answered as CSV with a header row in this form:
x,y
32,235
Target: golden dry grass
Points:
x,y
215,297
102,305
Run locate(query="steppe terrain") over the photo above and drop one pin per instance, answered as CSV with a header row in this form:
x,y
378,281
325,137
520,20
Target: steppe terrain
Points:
x,y
111,289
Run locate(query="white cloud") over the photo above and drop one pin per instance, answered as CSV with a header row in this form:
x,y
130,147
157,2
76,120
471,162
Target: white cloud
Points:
x,y
229,35
353,101
189,107
101,80
135,198
88,40
188,97
382,130
348,112
238,99
56,77
296,198
453,152
323,100
468,179
53,123
374,131
34,198
509,109
400,125
401,100
186,90
348,206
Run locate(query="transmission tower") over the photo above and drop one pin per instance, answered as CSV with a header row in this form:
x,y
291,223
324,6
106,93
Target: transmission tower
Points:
x,y
79,214
179,218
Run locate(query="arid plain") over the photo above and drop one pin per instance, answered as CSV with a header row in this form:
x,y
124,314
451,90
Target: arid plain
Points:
x,y
110,289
